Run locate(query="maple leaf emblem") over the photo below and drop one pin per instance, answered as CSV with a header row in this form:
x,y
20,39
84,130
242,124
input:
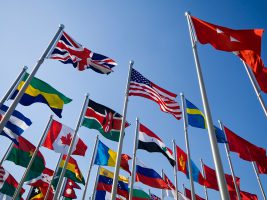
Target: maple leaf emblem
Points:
x,y
66,140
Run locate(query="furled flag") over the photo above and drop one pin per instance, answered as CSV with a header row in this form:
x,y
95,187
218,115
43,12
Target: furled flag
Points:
x,y
154,197
39,91
59,138
244,196
72,170
16,124
149,176
211,180
183,167
170,192
150,142
107,157
22,154
69,191
188,195
139,194
140,86
103,119
197,119
69,51
105,181
42,180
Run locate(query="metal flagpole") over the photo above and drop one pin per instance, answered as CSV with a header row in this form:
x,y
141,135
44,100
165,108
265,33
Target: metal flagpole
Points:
x,y
14,85
90,167
258,178
162,190
230,163
85,104
204,175
29,193
213,142
118,159
33,157
62,188
175,168
193,196
184,189
7,152
96,182
256,87
27,82
134,158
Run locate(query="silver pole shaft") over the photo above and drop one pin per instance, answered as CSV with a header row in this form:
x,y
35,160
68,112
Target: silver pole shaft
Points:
x,y
193,196
184,190
230,163
204,175
256,87
90,168
85,104
27,82
134,159
213,142
7,152
17,192
29,193
63,187
162,190
118,159
96,182
258,179
175,168
14,85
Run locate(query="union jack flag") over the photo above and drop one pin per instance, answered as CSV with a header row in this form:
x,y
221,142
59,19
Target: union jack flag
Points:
x,y
68,50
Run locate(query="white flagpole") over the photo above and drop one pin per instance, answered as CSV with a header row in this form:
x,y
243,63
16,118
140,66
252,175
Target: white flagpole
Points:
x,y
204,175
193,196
85,104
7,152
118,159
175,168
27,82
90,168
14,85
256,87
162,190
96,182
29,193
17,192
258,179
134,159
213,142
230,163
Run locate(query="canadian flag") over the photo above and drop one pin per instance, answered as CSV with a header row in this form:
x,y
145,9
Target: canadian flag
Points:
x,y
59,138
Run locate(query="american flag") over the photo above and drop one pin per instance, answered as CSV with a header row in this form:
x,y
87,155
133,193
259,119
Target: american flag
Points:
x,y
140,86
69,51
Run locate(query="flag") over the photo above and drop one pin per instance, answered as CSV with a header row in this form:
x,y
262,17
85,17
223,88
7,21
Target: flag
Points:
x,y
103,119
140,86
36,194
104,195
197,119
149,141
211,180
16,124
69,191
170,192
72,170
39,91
59,138
244,196
154,197
69,51
188,195
107,157
262,165
182,164
139,194
22,154
5,197
105,181
42,180
149,176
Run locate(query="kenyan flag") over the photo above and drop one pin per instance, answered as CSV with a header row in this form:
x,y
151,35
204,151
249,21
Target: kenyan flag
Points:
x,y
103,119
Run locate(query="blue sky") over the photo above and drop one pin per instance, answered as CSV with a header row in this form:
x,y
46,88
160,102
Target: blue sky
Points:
x,y
155,35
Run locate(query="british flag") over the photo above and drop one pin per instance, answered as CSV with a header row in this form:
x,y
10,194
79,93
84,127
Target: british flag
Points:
x,y
68,50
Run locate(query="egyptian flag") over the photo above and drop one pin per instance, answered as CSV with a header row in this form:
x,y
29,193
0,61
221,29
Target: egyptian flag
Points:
x,y
150,142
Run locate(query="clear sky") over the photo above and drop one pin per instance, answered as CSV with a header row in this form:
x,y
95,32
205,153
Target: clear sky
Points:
x,y
155,35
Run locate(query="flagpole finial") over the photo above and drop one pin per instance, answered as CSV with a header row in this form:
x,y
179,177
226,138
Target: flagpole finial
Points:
x,y
187,13
181,94
131,62
25,67
61,26
137,118
51,116
86,94
173,140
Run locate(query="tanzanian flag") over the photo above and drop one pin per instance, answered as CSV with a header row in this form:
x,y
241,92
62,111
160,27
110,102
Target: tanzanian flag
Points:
x,y
40,91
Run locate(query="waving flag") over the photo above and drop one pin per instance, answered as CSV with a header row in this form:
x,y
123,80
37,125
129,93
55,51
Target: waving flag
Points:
x,y
42,180
139,194
69,192
142,87
154,197
188,195
16,124
69,51
172,190
150,142
244,196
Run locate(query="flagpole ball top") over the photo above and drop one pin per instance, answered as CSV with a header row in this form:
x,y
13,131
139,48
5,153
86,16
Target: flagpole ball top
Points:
x,y
131,62
61,26
187,13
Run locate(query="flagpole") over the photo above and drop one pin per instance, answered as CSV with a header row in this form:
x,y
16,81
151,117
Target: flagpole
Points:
x,y
162,175
134,158
204,175
30,77
258,179
193,196
90,167
7,152
230,163
213,142
33,157
175,169
184,190
14,85
62,188
118,159
96,183
256,87
80,120
29,193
